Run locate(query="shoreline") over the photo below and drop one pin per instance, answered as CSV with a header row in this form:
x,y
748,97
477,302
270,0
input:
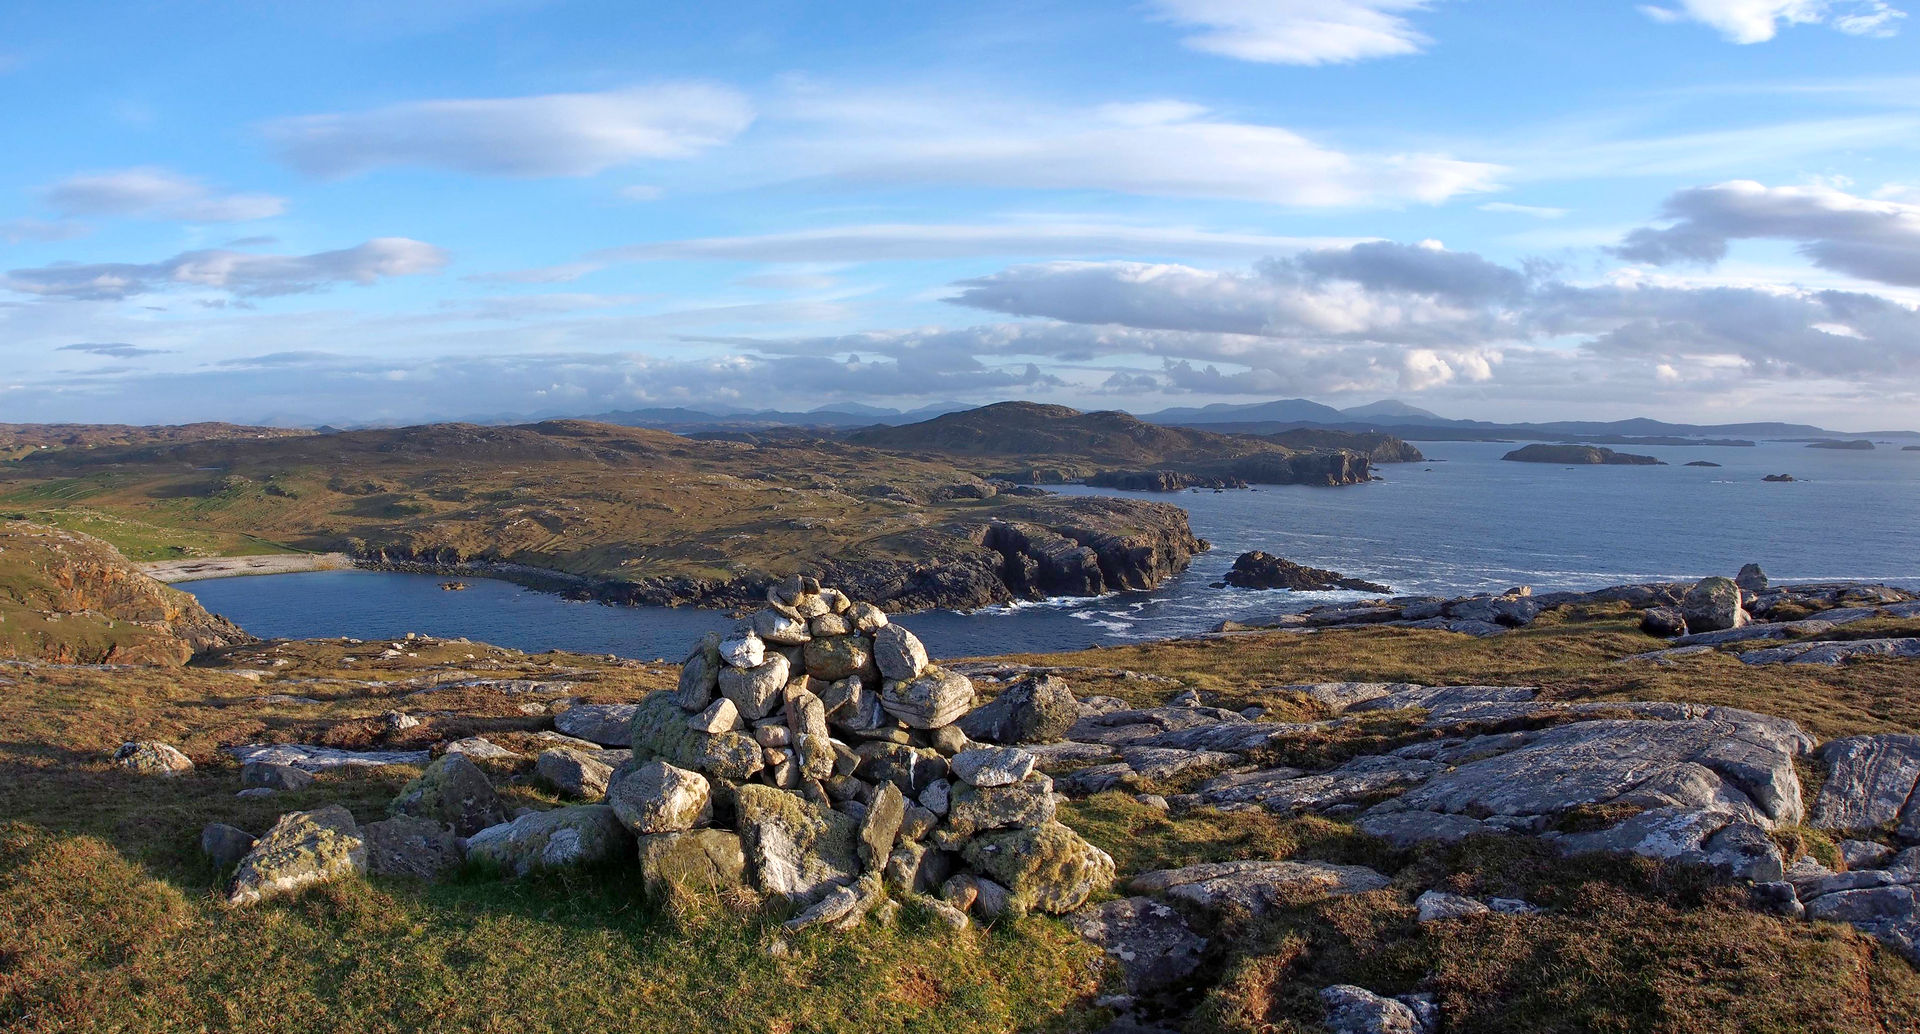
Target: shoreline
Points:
x,y
203,568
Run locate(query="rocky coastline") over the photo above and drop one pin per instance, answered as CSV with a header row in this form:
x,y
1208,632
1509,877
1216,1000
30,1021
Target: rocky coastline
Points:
x,y
1260,570
1029,551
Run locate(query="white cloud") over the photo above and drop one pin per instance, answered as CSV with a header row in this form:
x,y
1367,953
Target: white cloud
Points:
x,y
1155,148
1756,21
1536,211
560,134
1872,238
237,273
150,192
1297,32
881,242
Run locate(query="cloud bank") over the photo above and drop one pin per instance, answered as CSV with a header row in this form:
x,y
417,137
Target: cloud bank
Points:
x,y
237,273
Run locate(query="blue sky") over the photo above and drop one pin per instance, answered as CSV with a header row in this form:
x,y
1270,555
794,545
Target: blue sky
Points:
x,y
357,212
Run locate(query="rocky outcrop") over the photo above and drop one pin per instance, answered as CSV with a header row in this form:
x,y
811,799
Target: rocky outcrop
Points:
x,y
1259,570
452,791
1578,455
71,598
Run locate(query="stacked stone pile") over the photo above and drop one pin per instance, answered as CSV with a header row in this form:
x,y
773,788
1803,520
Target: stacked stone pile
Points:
x,y
816,743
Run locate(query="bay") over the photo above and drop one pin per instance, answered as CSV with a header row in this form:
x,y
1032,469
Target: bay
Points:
x,y
1466,521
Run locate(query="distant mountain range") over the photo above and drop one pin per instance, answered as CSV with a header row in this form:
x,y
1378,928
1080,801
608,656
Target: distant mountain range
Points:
x,y
1388,416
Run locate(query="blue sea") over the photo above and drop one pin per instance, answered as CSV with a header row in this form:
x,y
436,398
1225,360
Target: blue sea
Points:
x,y
1465,521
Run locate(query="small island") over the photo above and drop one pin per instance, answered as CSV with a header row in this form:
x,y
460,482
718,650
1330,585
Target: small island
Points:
x,y
1779,477
1702,463
1260,570
453,586
1579,455
1910,448
1856,444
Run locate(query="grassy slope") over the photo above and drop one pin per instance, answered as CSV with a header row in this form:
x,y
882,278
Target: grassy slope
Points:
x,y
108,919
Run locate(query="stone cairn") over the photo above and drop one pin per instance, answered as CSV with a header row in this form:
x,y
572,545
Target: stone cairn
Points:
x,y
813,751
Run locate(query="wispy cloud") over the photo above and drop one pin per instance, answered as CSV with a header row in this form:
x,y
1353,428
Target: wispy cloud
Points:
x,y
1165,148
117,350
933,241
150,192
29,230
559,134
1536,211
1297,32
1756,21
238,273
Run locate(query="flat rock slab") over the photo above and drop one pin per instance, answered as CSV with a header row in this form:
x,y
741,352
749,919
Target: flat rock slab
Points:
x,y
1287,790
1338,696
1833,653
1881,902
1872,782
315,759
1120,728
1256,887
1742,766
1054,758
1444,696
609,725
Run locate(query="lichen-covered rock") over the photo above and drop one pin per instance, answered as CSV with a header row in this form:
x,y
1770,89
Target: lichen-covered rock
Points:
x,y
697,862
832,658
1713,605
756,690
659,798
1152,943
302,849
881,825
1256,887
453,791
934,698
971,809
583,834
700,675
992,766
1356,1010
1047,868
798,849
781,629
1036,709
898,653
576,773
152,758
406,846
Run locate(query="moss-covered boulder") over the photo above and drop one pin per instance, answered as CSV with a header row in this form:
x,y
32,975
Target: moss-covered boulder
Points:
x,y
302,849
663,731
681,867
564,837
1048,868
455,792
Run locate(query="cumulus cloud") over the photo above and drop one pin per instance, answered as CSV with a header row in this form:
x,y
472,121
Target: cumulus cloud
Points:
x,y
1297,32
238,273
1422,316
560,134
150,192
1871,238
1756,21
1156,147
